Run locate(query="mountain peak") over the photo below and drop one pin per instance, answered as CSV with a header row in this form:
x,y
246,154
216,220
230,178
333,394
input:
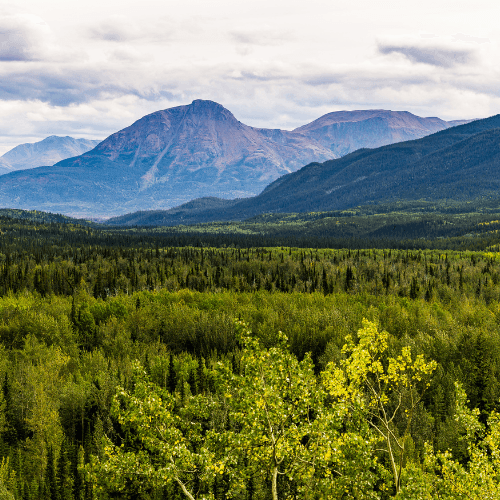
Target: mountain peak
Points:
x,y
48,151
210,109
206,104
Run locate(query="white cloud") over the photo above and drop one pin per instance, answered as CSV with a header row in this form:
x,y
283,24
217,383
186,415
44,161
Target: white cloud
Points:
x,y
247,38
119,29
260,35
83,68
470,38
116,29
128,54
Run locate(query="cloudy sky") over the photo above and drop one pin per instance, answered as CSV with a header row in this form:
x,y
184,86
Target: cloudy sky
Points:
x,y
87,69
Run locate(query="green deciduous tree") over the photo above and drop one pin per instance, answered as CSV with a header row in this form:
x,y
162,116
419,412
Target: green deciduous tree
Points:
x,y
442,476
283,429
157,447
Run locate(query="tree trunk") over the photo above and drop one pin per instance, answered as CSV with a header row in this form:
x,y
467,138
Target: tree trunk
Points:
x,y
275,483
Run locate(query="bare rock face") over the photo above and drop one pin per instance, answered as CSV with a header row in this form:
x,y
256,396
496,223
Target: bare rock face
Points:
x,y
199,150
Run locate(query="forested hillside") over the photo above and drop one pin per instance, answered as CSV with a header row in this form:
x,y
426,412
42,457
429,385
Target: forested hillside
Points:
x,y
141,364
460,163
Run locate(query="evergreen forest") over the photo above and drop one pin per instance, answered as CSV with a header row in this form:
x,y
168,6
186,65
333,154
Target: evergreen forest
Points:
x,y
172,363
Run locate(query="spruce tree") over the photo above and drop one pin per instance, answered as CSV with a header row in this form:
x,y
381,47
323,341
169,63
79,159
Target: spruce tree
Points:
x,y
200,375
51,490
65,473
172,376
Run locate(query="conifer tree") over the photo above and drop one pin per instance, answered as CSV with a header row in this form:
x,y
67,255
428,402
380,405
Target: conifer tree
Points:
x,y
172,375
51,489
65,473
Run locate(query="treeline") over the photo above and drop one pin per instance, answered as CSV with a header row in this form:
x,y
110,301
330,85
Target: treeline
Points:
x,y
353,228
109,270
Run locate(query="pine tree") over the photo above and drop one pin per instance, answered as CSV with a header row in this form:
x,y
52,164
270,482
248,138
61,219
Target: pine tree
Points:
x,y
77,461
414,288
324,283
192,382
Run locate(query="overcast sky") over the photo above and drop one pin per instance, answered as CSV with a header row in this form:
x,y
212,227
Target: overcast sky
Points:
x,y
88,69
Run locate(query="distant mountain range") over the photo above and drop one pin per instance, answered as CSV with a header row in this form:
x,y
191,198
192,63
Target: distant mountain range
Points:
x,y
44,153
460,163
343,132
198,150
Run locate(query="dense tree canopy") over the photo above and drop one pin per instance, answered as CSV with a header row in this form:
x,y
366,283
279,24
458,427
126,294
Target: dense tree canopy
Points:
x,y
101,330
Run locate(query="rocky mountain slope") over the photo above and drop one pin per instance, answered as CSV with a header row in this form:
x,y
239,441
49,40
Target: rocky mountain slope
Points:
x,y
47,152
199,150
460,163
346,131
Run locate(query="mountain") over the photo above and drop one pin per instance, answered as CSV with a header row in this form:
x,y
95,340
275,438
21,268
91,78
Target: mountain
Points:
x,y
5,166
199,150
346,131
460,163
49,151
202,145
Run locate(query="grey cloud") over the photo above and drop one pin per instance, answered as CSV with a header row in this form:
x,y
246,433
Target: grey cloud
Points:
x,y
322,79
362,80
13,47
250,75
59,88
65,87
22,38
435,56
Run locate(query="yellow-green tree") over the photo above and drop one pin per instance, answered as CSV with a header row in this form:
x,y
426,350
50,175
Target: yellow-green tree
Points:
x,y
386,390
37,382
274,404
282,427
